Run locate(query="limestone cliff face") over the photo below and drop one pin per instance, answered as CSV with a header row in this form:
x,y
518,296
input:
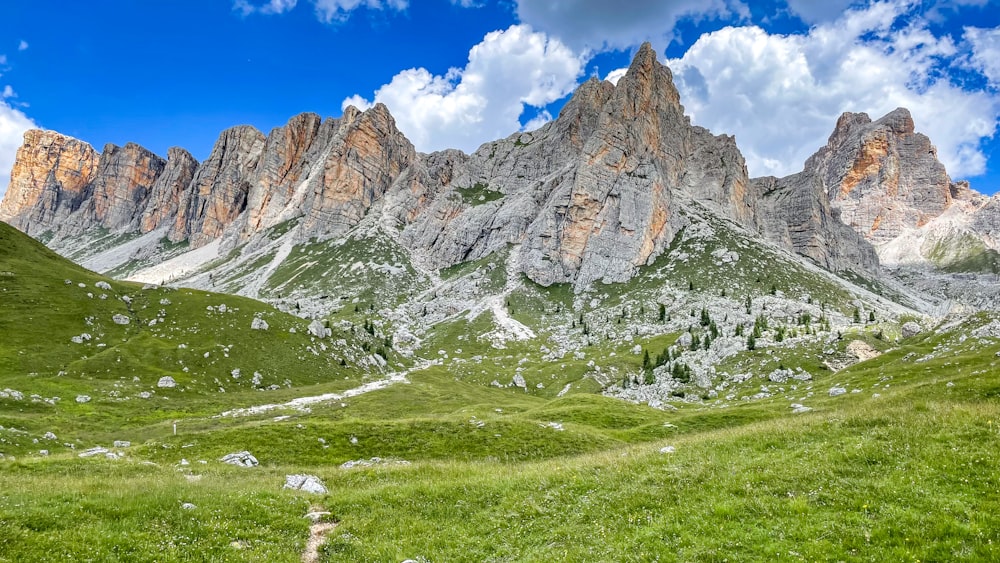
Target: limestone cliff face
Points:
x,y
168,190
882,176
591,196
795,212
120,189
218,193
588,197
365,154
287,158
50,180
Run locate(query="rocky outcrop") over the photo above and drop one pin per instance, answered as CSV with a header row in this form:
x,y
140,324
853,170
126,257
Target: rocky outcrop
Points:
x,y
218,193
588,196
883,176
50,180
795,213
168,190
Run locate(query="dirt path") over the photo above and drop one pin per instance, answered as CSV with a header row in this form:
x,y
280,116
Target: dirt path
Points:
x,y
317,534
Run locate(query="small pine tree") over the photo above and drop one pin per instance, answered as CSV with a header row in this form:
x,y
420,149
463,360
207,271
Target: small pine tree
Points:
x,y
690,286
749,305
871,316
695,342
663,312
739,330
649,378
857,315
751,342
706,319
645,360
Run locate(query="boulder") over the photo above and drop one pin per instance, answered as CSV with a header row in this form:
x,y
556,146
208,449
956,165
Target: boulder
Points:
x,y
307,483
910,329
241,459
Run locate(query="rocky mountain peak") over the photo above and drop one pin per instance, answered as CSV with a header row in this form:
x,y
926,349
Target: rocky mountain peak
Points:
x,y
49,180
882,176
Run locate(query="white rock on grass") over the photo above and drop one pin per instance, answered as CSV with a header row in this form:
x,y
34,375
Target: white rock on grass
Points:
x,y
258,324
83,398
103,285
121,319
50,436
837,391
188,506
98,450
317,329
307,483
122,444
241,459
798,408
910,329
166,382
668,450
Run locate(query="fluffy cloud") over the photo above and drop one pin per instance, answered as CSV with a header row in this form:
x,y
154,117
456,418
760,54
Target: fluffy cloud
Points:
x,y
985,56
22,46
507,71
598,25
330,11
13,124
752,84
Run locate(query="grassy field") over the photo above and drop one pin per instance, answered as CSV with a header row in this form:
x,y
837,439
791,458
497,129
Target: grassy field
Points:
x,y
904,466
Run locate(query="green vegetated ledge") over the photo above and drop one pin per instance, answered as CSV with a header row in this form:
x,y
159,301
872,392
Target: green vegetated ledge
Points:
x,y
478,194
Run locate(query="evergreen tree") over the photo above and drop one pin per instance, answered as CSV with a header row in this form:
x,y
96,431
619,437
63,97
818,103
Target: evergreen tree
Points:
x,y
871,316
751,342
857,315
663,312
705,318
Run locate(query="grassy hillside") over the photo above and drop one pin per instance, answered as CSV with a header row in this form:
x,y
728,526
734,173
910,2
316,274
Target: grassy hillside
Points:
x,y
901,466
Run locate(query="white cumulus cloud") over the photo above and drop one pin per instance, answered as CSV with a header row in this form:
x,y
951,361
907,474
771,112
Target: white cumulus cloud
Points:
x,y
13,124
985,56
598,25
506,72
22,46
781,94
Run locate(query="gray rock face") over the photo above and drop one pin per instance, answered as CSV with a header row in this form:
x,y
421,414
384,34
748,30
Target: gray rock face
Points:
x,y
794,212
591,196
168,190
882,176
219,190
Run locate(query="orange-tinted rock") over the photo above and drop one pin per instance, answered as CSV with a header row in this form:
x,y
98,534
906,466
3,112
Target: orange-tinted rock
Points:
x,y
49,180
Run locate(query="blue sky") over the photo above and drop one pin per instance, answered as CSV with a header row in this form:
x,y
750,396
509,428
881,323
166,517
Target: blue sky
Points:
x,y
457,73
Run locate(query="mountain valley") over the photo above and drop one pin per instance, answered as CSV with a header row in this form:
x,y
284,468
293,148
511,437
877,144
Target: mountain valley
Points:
x,y
598,340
